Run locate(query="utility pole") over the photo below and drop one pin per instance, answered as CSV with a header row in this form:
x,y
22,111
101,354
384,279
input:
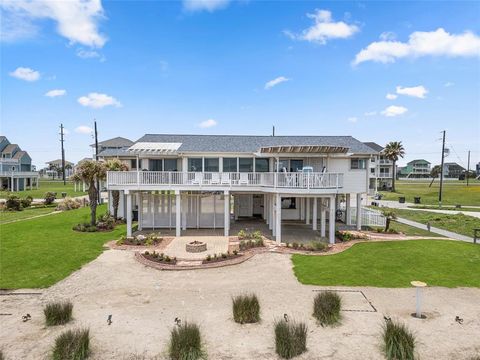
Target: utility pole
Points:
x,y
96,159
468,166
273,130
63,154
441,171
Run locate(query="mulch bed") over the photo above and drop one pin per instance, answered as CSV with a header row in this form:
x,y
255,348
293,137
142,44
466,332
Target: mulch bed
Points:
x,y
161,245
150,257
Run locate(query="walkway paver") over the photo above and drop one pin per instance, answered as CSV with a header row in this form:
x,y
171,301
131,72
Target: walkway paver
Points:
x,y
435,230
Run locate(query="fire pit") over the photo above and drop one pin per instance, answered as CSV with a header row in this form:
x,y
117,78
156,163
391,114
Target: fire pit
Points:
x,y
196,246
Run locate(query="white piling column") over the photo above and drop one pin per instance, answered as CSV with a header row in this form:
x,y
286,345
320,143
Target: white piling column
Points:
x,y
323,215
271,204
315,214
178,213
140,210
129,213
359,212
278,233
348,210
331,220
226,196
307,213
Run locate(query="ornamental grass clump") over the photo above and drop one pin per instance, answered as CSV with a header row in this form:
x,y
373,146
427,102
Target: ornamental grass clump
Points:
x,y
398,341
246,309
186,343
326,307
72,345
290,338
58,313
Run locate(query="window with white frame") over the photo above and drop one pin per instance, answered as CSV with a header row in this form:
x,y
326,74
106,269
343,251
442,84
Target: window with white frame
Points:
x,y
230,165
358,164
211,165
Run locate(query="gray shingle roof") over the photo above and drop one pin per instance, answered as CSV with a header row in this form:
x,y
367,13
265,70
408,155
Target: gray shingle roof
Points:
x,y
10,148
374,146
20,154
251,143
115,152
115,142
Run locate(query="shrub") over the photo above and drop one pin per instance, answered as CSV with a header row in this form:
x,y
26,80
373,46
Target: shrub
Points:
x,y
290,338
242,234
58,313
186,343
209,257
72,345
68,204
326,307
26,202
85,227
246,309
257,235
49,198
316,246
398,341
295,245
13,203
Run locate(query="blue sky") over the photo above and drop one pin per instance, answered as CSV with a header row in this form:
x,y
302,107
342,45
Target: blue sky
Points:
x,y
221,67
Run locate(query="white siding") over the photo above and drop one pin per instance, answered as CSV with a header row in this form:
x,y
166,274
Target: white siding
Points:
x,y
354,181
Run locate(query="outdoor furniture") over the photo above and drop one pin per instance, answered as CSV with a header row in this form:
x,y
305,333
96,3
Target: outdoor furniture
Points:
x,y
243,179
225,178
198,178
215,179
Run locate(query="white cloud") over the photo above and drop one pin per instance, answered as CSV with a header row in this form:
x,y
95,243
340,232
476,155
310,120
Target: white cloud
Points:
x,y
324,29
352,119
415,91
83,129
422,43
391,96
97,101
77,20
448,84
394,110
89,54
370,113
26,74
205,5
270,84
208,123
55,93
388,35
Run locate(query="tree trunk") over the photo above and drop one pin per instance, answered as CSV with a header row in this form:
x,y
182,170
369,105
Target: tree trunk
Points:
x,y
393,176
387,224
115,202
92,197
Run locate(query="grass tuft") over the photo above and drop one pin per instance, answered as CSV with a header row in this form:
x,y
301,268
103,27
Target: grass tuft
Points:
x,y
72,345
58,313
399,341
246,309
186,343
326,307
290,338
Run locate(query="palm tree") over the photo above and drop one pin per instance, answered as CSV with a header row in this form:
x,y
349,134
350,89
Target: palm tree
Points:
x,y
393,150
89,171
436,170
115,165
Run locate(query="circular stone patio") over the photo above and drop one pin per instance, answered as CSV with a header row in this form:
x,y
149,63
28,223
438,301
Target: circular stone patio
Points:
x,y
215,245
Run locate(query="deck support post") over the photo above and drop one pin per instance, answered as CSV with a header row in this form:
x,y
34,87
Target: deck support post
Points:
x,y
129,212
178,213
271,214
307,213
226,226
140,210
278,219
348,210
323,215
359,212
315,214
331,220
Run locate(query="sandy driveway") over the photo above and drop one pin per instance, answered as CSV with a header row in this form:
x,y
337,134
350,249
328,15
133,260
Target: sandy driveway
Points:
x,y
144,303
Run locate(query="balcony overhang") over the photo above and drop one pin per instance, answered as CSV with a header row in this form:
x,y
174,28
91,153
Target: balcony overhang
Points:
x,y
154,148
308,149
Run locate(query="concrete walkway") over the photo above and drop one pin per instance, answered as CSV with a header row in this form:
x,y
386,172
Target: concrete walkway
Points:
x,y
435,230
407,206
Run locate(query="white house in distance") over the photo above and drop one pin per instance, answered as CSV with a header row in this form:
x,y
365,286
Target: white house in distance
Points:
x,y
381,169
191,181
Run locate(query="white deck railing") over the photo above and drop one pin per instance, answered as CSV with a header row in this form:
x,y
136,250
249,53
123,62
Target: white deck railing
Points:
x,y
226,179
18,173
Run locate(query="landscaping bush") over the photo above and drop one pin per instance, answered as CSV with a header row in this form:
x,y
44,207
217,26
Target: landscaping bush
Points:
x,y
26,202
186,343
315,246
49,198
398,341
58,313
246,309
85,227
69,204
249,244
72,345
290,338
13,203
243,235
326,307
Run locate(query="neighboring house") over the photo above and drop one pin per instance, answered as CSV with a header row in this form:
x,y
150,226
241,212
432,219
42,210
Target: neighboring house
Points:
x,y
453,170
79,162
15,167
191,181
381,170
54,169
415,169
116,143
478,169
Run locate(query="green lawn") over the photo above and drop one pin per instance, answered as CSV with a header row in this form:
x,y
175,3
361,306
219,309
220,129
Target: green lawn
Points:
x,y
459,223
394,264
454,192
8,216
48,185
411,230
453,208
39,252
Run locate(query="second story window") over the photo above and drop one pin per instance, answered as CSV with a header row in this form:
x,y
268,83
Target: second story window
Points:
x,y
261,165
245,164
211,165
358,164
230,165
155,165
133,164
170,165
195,164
